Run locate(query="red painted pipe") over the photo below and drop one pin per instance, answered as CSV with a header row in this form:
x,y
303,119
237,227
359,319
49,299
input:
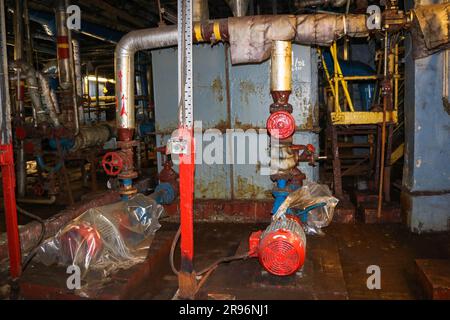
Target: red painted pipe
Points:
x,y
9,196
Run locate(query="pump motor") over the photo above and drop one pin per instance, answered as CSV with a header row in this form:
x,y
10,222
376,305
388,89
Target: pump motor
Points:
x,y
281,247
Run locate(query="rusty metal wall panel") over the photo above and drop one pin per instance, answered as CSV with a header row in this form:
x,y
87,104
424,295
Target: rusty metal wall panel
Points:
x,y
250,91
211,181
209,87
249,108
250,101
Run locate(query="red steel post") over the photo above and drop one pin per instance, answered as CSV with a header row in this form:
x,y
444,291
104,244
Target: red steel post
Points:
x,y
9,196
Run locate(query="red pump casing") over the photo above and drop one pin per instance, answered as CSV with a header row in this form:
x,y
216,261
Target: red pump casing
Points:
x,y
281,248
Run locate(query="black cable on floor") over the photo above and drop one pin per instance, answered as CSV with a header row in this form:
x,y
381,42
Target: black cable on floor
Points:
x,y
33,251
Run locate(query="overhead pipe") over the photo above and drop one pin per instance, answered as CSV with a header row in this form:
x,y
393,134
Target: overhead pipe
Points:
x,y
314,29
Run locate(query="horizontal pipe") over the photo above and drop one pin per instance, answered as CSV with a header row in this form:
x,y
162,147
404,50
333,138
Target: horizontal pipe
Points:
x,y
211,31
50,200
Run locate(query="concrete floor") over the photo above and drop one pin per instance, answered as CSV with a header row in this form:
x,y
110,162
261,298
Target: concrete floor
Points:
x,y
392,247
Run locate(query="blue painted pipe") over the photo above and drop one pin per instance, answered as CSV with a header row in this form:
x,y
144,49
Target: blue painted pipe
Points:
x,y
41,163
66,144
146,128
280,194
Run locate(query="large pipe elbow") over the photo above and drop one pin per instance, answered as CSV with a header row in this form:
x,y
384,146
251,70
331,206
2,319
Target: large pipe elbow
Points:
x,y
126,48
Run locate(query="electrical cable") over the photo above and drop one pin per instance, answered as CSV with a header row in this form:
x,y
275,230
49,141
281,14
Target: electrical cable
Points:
x,y
207,269
33,251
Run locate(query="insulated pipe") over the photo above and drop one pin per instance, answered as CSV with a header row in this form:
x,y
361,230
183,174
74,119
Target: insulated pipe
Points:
x,y
77,65
124,68
73,77
200,10
33,88
281,66
78,80
49,98
63,51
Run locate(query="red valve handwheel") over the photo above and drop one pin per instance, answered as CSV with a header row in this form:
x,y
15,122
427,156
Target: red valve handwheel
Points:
x,y
281,124
112,163
311,148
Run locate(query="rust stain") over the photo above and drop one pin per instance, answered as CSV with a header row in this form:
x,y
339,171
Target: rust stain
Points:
x,y
247,189
245,126
247,88
211,190
217,88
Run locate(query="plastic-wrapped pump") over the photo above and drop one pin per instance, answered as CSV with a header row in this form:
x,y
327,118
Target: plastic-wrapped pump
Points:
x,y
105,239
316,203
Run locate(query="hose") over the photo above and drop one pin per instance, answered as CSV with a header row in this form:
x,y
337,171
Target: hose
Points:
x,y
33,251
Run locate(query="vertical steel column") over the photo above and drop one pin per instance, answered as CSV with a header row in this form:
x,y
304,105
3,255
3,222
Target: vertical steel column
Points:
x,y
7,156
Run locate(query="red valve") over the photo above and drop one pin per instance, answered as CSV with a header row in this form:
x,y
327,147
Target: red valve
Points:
x,y
311,148
112,163
281,124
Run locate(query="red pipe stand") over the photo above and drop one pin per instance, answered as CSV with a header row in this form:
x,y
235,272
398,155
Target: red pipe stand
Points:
x,y
12,229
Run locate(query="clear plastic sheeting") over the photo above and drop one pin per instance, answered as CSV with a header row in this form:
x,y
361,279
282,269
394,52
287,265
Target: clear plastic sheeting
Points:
x,y
311,195
105,239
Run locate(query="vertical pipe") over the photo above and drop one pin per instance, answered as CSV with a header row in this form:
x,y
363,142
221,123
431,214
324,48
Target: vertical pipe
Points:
x,y
18,55
7,157
200,10
28,33
281,66
63,53
383,128
78,79
72,76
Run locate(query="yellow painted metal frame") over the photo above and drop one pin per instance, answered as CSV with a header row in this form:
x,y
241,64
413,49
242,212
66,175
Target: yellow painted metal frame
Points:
x,y
350,116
